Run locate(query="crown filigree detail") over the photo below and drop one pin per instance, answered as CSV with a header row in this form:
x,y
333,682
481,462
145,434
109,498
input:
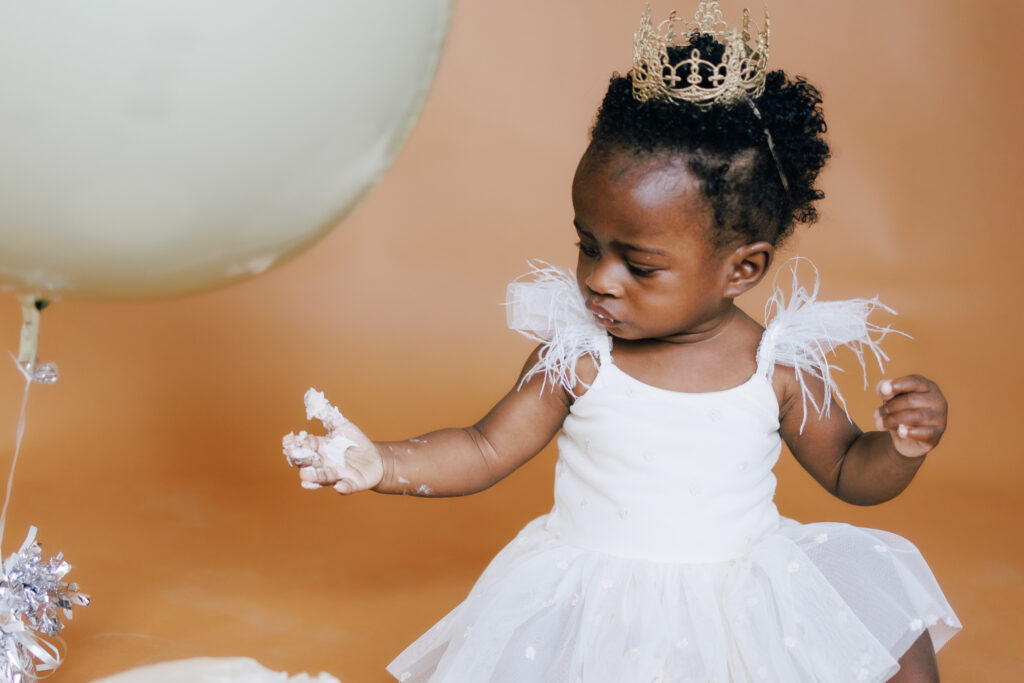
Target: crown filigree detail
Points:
x,y
740,73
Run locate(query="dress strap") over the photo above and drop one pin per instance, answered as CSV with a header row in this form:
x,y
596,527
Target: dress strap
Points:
x,y
803,333
545,305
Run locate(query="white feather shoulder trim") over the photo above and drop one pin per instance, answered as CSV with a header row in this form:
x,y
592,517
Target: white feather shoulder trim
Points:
x,y
545,305
803,332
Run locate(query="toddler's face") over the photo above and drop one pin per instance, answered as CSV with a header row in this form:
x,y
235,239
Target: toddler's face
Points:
x,y
646,266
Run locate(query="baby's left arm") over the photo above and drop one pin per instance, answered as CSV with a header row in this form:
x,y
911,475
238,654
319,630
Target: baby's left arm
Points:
x,y
858,467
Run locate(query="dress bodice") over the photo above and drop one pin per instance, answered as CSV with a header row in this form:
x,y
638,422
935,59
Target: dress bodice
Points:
x,y
663,475
650,473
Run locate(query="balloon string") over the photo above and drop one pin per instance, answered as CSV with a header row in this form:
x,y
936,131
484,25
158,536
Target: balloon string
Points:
x,y
14,462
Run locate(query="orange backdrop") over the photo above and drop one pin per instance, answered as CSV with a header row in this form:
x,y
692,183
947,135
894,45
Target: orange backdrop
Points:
x,y
155,466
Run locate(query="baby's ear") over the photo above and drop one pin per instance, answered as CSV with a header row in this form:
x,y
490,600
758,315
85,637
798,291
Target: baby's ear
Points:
x,y
745,267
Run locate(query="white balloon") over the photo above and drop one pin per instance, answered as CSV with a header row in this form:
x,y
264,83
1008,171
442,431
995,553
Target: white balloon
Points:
x,y
158,147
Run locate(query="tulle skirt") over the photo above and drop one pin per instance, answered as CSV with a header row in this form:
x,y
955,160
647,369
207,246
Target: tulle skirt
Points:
x,y
810,602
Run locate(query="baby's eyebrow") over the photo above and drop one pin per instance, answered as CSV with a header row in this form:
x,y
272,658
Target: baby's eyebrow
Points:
x,y
620,245
626,246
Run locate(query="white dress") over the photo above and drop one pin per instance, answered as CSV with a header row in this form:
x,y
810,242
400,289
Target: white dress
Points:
x,y
664,557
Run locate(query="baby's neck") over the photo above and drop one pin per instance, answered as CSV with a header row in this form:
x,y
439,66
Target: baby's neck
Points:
x,y
711,358
706,331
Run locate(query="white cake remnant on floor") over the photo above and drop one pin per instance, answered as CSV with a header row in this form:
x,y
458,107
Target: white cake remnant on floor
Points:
x,y
212,670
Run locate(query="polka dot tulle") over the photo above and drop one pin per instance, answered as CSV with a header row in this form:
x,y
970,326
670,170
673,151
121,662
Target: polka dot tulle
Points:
x,y
789,611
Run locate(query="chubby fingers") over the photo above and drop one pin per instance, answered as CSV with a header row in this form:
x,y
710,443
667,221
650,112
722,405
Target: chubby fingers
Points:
x,y
300,449
351,481
322,461
333,421
317,406
913,410
307,449
344,480
319,475
908,384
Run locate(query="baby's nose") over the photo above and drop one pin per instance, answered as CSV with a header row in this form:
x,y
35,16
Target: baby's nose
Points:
x,y
603,280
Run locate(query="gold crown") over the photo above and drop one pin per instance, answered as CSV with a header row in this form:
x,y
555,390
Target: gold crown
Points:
x,y
740,73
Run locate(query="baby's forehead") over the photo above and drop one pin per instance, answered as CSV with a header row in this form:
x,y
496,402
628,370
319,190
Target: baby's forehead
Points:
x,y
641,196
644,175
636,166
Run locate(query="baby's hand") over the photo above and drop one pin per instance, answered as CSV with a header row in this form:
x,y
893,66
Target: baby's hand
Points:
x,y
914,412
345,458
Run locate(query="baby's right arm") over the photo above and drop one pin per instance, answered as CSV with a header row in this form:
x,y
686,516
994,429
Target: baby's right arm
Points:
x,y
448,462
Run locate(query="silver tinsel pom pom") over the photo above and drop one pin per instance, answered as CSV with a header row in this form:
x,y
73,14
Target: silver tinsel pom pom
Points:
x,y
33,598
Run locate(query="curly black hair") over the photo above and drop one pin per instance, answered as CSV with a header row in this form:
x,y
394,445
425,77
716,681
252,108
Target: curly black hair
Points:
x,y
726,148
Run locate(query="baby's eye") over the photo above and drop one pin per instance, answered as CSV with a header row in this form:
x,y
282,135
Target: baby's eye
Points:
x,y
641,272
587,249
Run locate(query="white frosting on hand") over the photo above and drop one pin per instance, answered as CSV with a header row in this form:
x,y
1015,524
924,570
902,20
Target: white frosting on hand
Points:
x,y
305,450
297,449
317,406
333,451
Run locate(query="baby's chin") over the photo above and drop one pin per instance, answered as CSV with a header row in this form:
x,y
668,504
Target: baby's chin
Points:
x,y
627,333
